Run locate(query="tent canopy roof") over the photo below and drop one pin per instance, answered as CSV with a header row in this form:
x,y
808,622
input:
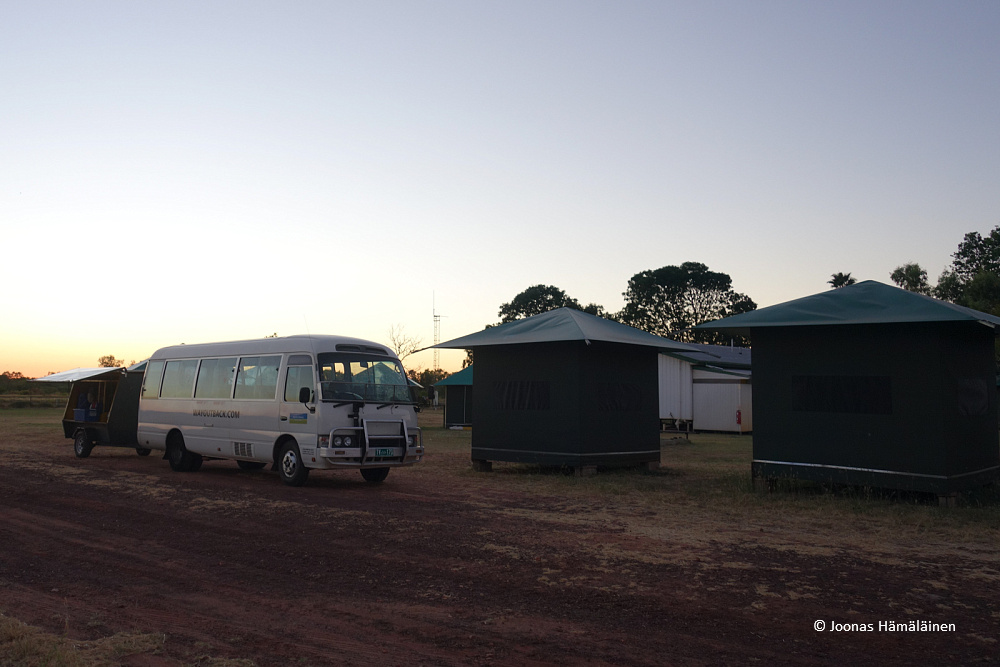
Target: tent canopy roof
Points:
x,y
868,302
463,377
78,374
562,324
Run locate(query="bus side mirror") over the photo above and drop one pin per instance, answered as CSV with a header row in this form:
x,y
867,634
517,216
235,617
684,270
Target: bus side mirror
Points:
x,y
305,395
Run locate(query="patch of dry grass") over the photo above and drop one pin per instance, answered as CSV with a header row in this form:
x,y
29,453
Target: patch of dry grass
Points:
x,y
25,646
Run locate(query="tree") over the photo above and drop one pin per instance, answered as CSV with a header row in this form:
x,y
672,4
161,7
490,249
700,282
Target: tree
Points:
x,y
976,255
838,280
974,273
670,300
426,378
982,293
538,299
911,277
109,361
402,344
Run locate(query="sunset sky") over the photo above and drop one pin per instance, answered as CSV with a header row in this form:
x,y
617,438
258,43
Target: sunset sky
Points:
x,y
199,171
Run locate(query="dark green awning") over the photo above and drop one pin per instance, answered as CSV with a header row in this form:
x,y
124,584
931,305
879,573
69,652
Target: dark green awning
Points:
x,y
461,378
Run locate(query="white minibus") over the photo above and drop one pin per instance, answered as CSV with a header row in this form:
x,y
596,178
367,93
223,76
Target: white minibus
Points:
x,y
298,403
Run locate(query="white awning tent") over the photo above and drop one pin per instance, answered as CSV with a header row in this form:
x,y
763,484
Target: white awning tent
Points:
x,y
78,374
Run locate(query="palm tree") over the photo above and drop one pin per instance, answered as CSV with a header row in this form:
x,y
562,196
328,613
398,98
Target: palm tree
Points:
x,y
841,280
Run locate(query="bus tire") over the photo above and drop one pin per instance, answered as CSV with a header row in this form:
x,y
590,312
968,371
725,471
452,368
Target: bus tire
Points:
x,y
142,451
290,466
375,475
82,444
250,465
181,460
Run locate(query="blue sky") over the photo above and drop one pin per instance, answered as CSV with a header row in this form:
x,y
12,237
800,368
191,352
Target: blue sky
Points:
x,y
195,171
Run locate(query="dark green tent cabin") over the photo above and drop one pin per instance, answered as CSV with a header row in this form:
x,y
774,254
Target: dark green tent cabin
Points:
x,y
872,385
458,409
565,388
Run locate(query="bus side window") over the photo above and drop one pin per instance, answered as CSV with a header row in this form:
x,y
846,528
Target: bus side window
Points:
x,y
297,377
151,380
257,377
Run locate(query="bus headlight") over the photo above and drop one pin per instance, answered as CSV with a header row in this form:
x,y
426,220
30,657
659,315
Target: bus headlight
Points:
x,y
348,441
338,441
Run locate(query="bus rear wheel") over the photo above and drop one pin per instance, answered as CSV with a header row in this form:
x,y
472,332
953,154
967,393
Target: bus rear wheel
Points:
x,y
181,460
375,475
82,444
290,466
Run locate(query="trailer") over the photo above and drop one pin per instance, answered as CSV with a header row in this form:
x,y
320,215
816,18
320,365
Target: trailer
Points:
x,y
103,407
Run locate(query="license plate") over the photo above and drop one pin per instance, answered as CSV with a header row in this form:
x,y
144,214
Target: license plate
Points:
x,y
384,451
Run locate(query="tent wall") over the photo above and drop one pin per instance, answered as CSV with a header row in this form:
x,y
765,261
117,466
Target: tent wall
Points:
x,y
675,388
722,402
566,403
909,406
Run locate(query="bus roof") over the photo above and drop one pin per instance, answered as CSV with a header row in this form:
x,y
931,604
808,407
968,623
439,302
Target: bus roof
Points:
x,y
301,343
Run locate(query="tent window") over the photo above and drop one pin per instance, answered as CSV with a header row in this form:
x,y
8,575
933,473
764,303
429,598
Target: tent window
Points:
x,y
521,395
618,397
842,394
973,396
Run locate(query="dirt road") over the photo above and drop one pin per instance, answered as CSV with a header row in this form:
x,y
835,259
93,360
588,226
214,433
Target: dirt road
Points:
x,y
439,567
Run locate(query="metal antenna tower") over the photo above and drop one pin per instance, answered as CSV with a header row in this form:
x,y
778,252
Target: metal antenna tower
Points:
x,y
437,331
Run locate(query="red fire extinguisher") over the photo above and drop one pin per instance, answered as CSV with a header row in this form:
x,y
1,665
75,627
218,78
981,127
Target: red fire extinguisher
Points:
x,y
739,416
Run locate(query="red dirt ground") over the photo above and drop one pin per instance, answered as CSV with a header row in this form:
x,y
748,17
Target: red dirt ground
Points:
x,y
433,568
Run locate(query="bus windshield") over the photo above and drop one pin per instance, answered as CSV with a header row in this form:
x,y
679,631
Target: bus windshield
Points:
x,y
362,377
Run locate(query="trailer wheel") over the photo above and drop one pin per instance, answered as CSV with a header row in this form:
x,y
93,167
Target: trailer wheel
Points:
x,y
375,475
142,451
82,444
293,472
181,460
250,465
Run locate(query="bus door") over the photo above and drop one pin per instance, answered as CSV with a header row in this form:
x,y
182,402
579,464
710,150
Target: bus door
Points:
x,y
295,417
255,399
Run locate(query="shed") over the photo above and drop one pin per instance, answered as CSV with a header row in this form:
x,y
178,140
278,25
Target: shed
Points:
x,y
458,398
707,389
565,388
873,385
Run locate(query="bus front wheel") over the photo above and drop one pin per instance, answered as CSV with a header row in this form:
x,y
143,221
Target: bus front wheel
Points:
x,y
181,460
290,466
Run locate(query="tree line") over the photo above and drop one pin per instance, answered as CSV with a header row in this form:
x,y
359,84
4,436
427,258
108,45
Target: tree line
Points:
x,y
972,280
671,300
667,302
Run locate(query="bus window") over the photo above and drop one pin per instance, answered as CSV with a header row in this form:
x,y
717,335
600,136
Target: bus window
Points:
x,y
178,378
151,380
215,378
350,377
257,377
298,377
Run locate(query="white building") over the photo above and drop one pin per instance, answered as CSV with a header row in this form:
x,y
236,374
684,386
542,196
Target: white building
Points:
x,y
707,391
